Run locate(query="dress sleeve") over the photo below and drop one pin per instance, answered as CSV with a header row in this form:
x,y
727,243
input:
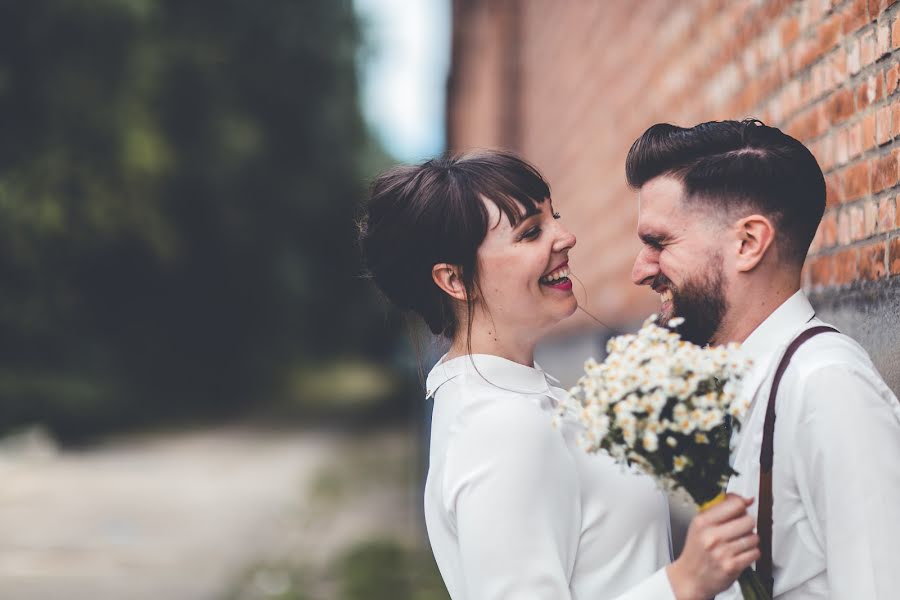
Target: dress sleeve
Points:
x,y
512,488
848,446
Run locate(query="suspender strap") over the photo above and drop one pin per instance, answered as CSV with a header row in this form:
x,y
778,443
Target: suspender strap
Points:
x,y
766,458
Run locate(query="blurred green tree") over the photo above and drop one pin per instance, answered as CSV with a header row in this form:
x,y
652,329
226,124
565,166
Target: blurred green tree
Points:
x,y
178,181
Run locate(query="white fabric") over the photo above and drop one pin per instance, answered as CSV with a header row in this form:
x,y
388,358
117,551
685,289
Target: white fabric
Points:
x,y
516,510
836,475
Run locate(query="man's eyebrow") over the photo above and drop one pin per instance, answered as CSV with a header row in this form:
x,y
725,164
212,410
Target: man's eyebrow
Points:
x,y
652,237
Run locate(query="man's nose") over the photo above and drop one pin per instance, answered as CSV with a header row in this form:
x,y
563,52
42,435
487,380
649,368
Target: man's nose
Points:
x,y
645,268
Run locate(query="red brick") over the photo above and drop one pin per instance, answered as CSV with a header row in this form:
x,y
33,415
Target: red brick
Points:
x,y
839,106
885,173
871,261
819,79
882,40
870,218
897,212
894,256
829,229
837,70
846,267
841,153
870,91
855,15
843,228
855,181
876,7
868,131
886,215
828,34
834,193
883,125
805,53
895,34
820,270
816,243
818,8
854,140
857,223
807,124
895,119
891,78
853,57
867,49
790,29
824,153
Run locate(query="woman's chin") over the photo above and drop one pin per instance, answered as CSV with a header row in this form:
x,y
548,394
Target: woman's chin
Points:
x,y
568,309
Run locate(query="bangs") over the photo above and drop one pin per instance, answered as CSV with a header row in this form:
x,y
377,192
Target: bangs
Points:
x,y
514,186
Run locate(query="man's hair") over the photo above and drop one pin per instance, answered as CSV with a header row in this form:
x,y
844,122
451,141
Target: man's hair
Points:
x,y
738,167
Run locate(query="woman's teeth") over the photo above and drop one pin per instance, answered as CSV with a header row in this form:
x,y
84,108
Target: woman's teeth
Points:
x,y
556,276
665,296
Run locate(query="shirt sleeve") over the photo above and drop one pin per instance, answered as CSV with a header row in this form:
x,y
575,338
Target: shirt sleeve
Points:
x,y
848,446
512,487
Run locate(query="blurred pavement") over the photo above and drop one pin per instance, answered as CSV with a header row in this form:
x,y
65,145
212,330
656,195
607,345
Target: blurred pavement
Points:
x,y
175,516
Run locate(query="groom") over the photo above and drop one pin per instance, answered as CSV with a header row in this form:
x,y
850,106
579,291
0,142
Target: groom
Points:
x,y
727,211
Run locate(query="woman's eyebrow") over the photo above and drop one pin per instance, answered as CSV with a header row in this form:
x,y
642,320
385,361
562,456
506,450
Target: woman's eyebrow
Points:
x,y
526,218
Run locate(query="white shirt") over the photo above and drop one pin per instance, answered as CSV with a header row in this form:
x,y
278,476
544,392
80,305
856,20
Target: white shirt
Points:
x,y
836,475
516,510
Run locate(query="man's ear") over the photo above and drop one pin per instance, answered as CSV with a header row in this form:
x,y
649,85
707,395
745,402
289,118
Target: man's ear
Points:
x,y
755,235
449,278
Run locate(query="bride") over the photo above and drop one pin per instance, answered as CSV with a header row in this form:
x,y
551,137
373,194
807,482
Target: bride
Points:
x,y
514,509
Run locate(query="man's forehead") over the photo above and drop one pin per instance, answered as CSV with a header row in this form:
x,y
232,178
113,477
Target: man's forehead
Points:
x,y
661,212
661,194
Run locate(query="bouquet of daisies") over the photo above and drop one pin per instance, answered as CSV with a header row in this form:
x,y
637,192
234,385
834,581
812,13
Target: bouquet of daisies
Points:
x,y
666,407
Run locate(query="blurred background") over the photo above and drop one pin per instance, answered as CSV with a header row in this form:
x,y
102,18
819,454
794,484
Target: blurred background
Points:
x,y
200,396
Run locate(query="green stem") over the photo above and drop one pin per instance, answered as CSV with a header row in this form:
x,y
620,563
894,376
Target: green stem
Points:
x,y
751,586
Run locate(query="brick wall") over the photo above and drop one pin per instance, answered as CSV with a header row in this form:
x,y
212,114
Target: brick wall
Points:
x,y
571,84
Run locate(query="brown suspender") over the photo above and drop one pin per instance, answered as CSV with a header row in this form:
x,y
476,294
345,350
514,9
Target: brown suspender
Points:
x,y
766,457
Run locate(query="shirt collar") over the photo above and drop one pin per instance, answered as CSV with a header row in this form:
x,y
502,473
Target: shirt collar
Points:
x,y
779,326
491,370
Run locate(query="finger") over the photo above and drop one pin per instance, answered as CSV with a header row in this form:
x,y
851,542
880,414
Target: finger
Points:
x,y
748,500
736,528
741,545
733,506
747,558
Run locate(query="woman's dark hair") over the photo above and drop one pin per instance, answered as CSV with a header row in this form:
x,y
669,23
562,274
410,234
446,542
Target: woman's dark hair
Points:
x,y
738,165
419,216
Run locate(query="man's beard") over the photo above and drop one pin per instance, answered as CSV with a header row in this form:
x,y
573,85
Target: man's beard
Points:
x,y
700,301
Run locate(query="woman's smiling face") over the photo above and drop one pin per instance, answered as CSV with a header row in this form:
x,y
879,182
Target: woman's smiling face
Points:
x,y
523,270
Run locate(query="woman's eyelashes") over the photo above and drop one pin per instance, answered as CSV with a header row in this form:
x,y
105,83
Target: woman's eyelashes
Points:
x,y
531,233
534,232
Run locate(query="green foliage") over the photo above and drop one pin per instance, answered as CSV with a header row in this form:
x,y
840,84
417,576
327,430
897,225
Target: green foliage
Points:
x,y
383,569
178,182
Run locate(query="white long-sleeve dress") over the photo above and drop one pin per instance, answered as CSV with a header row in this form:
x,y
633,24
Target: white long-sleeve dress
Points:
x,y
516,510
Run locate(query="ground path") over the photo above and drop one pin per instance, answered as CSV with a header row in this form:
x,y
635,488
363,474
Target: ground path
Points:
x,y
174,516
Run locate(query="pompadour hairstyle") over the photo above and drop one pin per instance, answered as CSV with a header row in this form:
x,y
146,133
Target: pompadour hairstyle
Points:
x,y
738,167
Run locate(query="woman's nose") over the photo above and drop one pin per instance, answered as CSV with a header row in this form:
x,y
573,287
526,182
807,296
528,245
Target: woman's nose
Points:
x,y
564,240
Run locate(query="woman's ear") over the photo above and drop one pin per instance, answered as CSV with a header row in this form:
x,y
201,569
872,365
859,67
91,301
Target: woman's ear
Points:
x,y
755,235
449,278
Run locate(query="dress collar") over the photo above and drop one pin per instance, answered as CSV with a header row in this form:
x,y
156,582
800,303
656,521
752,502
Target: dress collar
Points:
x,y
491,370
780,326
